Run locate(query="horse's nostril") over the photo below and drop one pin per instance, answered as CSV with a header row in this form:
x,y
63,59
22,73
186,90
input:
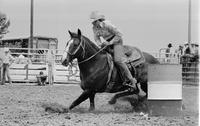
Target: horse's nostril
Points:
x,y
65,63
62,62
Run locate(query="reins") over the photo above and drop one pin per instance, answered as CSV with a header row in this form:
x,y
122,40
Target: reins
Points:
x,y
92,56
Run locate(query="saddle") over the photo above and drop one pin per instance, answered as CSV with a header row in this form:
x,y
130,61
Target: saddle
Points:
x,y
134,57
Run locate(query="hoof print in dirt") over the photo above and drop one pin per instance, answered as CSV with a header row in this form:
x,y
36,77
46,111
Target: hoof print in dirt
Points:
x,y
55,108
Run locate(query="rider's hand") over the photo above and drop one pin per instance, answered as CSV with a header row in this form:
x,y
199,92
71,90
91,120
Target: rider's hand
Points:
x,y
105,43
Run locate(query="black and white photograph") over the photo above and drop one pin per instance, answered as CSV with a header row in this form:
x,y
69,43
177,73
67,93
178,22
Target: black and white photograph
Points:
x,y
99,62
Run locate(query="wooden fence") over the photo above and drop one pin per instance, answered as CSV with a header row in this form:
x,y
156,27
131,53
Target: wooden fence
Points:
x,y
26,67
62,74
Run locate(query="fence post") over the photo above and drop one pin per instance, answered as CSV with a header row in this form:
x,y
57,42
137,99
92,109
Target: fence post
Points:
x,y
51,66
1,74
1,70
26,68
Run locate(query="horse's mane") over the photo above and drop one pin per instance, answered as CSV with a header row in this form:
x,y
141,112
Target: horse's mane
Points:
x,y
90,42
86,40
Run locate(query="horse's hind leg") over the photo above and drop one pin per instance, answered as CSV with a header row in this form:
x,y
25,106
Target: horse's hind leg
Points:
x,y
92,104
86,94
118,95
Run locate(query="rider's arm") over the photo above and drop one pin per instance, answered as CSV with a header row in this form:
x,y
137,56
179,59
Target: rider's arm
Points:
x,y
97,38
114,31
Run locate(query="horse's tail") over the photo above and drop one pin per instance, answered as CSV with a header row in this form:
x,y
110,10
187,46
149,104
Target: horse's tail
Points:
x,y
150,59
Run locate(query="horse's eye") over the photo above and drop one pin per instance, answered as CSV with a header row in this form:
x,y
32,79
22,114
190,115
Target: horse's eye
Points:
x,y
76,43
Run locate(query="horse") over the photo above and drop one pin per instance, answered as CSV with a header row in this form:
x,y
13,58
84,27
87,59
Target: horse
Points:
x,y
94,70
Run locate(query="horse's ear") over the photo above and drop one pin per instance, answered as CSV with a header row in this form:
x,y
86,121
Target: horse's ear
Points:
x,y
70,33
79,33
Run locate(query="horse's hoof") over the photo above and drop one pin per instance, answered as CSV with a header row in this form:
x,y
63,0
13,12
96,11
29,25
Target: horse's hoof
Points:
x,y
112,101
137,109
91,109
142,93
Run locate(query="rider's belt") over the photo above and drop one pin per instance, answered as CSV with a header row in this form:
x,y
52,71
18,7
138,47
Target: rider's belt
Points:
x,y
109,39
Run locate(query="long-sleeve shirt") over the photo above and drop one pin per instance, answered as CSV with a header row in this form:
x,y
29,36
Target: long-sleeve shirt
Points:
x,y
7,58
106,30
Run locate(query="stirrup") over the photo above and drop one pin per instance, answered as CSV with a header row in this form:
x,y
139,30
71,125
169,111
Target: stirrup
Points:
x,y
129,85
132,88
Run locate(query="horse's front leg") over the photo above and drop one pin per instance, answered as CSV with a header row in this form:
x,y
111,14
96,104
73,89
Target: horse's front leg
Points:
x,y
86,94
92,104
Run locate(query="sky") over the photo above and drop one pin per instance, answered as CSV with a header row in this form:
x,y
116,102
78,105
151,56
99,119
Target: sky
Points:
x,y
146,24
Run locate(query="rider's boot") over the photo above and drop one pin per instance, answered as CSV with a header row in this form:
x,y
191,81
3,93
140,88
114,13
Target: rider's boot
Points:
x,y
126,74
132,84
141,92
136,88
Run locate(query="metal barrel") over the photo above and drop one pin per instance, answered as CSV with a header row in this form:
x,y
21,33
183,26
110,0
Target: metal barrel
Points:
x,y
165,89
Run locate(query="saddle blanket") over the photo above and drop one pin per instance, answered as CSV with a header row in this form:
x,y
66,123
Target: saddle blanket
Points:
x,y
133,55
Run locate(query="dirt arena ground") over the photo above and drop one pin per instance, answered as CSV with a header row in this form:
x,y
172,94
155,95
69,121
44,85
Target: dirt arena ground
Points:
x,y
23,105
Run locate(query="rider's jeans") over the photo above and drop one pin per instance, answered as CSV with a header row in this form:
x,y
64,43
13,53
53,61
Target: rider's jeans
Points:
x,y
119,59
6,73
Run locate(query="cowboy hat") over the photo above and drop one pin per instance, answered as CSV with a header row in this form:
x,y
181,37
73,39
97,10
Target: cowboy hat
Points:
x,y
95,15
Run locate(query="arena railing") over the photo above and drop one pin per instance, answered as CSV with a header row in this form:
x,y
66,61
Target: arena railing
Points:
x,y
190,70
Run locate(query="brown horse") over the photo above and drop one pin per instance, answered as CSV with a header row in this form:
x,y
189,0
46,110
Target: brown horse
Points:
x,y
95,69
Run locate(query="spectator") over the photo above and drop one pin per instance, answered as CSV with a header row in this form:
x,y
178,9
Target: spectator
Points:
x,y
187,50
7,61
168,51
180,50
41,79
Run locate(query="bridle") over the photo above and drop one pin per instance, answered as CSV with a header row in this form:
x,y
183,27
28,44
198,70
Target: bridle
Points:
x,y
74,53
82,45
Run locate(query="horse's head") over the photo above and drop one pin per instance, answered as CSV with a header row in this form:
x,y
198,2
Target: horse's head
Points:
x,y
73,48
